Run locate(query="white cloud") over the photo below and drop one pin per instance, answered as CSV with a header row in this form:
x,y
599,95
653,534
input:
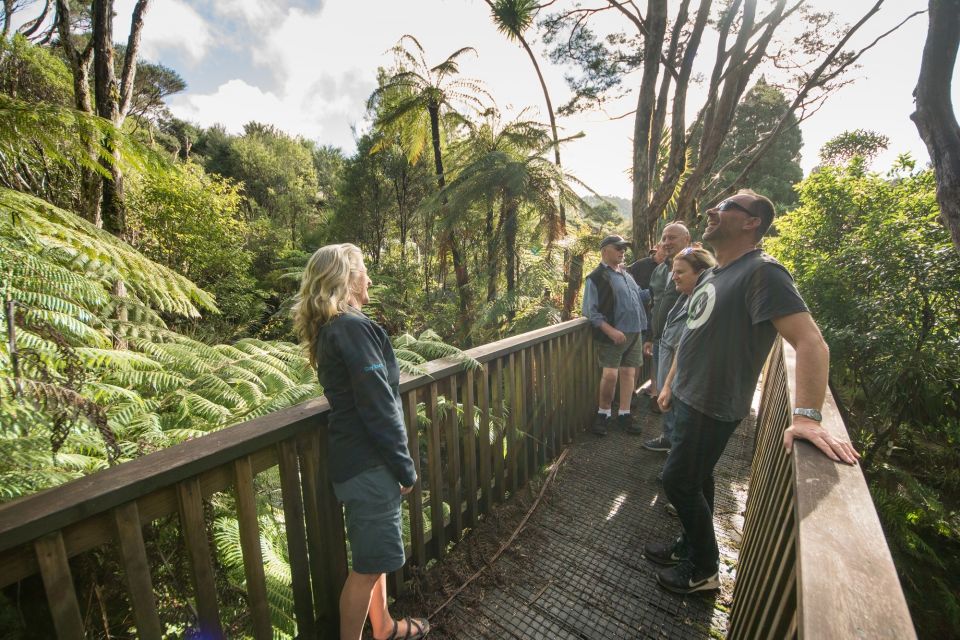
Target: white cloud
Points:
x,y
253,12
168,25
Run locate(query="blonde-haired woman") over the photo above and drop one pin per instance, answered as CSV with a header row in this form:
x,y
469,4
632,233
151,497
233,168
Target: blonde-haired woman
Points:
x,y
369,462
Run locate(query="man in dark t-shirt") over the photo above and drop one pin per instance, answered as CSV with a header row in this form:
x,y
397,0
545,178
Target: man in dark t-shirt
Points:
x,y
734,316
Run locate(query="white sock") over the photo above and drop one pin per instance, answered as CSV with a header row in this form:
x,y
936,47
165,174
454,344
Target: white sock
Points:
x,y
624,412
604,412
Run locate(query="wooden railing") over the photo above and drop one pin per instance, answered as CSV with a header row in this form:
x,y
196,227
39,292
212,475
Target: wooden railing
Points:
x,y
814,562
531,395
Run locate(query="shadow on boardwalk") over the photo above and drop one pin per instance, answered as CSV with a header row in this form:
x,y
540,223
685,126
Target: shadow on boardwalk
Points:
x,y
577,569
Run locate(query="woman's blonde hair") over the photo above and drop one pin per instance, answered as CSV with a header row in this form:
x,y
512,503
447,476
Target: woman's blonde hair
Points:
x,y
324,291
697,257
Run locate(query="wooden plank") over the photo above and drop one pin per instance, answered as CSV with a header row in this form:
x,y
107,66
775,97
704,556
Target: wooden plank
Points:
x,y
309,451
540,414
27,518
435,471
559,375
194,531
523,424
250,547
511,401
445,367
296,538
499,478
835,562
133,554
19,562
452,431
549,403
333,541
470,448
486,462
415,497
58,584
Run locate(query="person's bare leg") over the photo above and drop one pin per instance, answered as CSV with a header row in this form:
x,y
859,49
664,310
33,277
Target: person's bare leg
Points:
x,y
608,384
380,619
627,385
355,602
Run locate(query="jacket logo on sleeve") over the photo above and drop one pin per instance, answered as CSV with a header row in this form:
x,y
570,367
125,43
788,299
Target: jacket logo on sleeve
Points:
x,y
373,367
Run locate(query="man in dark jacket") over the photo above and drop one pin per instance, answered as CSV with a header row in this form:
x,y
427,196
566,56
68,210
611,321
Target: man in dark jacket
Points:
x,y
641,270
615,305
675,237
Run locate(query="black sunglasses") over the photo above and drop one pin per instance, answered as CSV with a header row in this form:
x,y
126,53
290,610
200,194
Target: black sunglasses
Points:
x,y
727,205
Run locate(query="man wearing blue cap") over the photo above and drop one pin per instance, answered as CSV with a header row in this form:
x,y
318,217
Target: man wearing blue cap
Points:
x,y
614,303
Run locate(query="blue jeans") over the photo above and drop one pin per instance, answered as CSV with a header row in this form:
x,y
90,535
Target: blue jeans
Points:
x,y
698,442
663,368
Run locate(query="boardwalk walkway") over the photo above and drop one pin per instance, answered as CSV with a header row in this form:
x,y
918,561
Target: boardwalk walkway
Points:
x,y
577,570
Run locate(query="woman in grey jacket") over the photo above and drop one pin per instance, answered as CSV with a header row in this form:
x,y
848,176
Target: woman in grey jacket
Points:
x,y
369,462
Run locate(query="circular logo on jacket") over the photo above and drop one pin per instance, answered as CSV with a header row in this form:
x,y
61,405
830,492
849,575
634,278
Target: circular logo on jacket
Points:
x,y
701,305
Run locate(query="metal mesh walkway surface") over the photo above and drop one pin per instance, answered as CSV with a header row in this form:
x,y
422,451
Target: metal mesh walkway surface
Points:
x,y
577,569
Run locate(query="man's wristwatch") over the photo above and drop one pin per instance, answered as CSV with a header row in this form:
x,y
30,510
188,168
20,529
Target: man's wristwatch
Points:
x,y
813,414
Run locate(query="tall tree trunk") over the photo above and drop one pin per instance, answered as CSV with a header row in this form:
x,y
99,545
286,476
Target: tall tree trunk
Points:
x,y
576,273
491,254
90,181
655,27
677,160
112,99
510,227
459,264
934,117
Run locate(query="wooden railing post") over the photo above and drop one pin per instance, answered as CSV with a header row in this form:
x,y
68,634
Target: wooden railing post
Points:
x,y
133,552
194,530
58,583
296,539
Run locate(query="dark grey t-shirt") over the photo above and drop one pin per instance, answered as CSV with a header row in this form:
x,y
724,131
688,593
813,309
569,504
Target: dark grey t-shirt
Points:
x,y
729,334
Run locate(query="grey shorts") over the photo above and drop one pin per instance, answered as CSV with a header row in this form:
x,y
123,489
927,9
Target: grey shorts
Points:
x,y
372,502
628,354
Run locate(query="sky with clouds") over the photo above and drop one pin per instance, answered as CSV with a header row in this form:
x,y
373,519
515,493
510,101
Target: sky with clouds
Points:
x,y
308,66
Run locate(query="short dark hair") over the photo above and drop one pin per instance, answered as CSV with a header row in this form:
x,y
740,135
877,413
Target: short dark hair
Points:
x,y
763,208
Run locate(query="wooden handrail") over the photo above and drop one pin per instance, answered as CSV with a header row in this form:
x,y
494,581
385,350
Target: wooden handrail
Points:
x,y
541,380
32,516
814,562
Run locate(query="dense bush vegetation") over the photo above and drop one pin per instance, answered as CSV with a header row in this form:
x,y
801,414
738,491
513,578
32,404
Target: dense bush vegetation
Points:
x,y
880,274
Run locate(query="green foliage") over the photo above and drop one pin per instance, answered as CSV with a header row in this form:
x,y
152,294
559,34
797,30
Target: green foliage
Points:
x,y
848,145
880,274
277,172
189,221
34,74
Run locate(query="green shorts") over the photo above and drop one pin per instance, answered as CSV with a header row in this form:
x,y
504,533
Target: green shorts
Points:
x,y
628,354
372,502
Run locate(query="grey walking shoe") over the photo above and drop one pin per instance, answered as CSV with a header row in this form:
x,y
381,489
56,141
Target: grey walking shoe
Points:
x,y
660,443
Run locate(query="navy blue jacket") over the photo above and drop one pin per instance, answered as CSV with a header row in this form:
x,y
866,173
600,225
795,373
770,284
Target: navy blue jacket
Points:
x,y
360,377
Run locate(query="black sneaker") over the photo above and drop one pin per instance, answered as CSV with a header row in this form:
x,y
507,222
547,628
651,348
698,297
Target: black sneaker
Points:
x,y
686,578
625,422
672,510
666,553
599,427
660,443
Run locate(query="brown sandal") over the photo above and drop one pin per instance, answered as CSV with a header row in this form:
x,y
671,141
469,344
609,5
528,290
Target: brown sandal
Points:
x,y
422,626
